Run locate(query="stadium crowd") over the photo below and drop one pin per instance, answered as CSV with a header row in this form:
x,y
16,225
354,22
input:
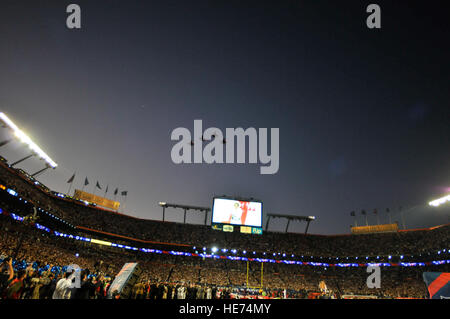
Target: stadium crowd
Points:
x,y
42,260
34,262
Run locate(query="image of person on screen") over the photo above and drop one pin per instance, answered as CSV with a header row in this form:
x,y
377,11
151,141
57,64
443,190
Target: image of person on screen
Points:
x,y
238,214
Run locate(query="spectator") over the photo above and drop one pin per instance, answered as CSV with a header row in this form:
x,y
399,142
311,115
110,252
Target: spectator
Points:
x,y
63,287
15,287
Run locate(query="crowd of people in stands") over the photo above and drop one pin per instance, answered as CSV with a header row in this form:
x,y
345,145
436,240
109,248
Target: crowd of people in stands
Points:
x,y
34,263
42,260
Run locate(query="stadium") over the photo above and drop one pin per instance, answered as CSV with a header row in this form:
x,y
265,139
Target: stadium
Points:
x,y
47,236
169,153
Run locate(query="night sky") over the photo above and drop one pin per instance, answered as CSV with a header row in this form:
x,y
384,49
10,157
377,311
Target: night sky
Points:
x,y
364,114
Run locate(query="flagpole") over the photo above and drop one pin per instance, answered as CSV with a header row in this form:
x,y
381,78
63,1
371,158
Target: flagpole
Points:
x,y
95,188
71,182
70,187
123,206
354,218
86,182
363,212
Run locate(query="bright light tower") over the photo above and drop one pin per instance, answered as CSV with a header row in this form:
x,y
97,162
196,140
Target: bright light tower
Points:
x,y
440,201
22,137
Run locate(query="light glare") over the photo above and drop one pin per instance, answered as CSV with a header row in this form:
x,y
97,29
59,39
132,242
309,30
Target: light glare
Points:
x,y
440,201
26,140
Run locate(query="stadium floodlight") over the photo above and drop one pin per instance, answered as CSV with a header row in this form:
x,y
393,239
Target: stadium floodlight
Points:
x,y
439,201
214,249
26,140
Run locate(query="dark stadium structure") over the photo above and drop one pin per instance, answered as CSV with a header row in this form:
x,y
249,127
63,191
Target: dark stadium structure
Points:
x,y
48,231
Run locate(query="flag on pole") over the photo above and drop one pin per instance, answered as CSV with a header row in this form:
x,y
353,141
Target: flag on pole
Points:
x,y
352,213
375,212
124,193
86,182
363,212
71,179
98,185
115,192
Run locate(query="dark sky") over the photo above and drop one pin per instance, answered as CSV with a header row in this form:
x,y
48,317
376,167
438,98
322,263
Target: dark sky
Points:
x,y
363,114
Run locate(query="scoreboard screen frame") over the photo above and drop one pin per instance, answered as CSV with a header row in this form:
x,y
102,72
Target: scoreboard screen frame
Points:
x,y
239,200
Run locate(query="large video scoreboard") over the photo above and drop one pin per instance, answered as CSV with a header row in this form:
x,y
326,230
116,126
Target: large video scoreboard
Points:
x,y
231,215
